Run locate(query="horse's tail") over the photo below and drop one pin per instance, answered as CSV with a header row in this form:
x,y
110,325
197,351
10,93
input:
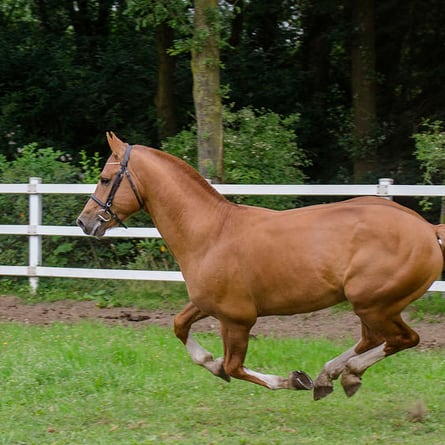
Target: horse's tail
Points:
x,y
440,233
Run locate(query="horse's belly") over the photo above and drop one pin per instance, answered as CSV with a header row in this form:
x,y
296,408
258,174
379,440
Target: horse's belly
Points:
x,y
298,300
297,279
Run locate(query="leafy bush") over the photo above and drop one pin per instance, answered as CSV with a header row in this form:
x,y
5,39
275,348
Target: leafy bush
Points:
x,y
152,254
430,151
52,166
260,147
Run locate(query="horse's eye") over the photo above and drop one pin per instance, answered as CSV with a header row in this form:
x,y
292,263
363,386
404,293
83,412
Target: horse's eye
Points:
x,y
105,181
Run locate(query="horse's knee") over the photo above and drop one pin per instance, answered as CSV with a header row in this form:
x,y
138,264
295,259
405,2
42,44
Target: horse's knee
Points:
x,y
180,329
184,320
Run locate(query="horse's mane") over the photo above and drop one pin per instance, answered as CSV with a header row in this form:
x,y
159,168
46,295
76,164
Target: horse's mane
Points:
x,y
183,168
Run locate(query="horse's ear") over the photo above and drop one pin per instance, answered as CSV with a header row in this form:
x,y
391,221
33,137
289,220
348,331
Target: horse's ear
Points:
x,y
116,145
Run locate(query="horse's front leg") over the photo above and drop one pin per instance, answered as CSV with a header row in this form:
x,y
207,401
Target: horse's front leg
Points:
x,y
236,338
182,324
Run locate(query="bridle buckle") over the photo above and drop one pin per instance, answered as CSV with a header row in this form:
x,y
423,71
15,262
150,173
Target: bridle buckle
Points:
x,y
101,216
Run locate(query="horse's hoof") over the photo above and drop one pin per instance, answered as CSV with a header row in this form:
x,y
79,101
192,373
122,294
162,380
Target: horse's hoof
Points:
x,y
216,368
350,390
323,386
320,392
351,383
300,380
224,376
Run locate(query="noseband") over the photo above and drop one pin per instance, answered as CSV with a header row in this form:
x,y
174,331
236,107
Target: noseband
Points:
x,y
107,214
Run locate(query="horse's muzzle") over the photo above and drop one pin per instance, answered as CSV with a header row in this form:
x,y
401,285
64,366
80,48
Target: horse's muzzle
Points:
x,y
81,224
95,229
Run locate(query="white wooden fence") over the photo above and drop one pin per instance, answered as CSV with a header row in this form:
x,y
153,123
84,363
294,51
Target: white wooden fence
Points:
x,y
35,230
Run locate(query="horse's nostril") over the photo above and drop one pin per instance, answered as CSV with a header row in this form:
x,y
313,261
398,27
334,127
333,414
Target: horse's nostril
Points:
x,y
80,224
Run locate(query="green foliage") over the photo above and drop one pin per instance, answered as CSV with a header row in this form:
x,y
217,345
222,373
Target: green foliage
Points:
x,y
176,14
153,254
90,167
150,13
53,167
430,151
49,164
72,70
260,147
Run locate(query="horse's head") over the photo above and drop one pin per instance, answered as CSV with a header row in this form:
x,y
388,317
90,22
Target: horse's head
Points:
x,y
115,197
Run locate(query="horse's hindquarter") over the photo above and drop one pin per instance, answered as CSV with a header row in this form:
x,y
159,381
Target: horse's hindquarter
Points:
x,y
304,260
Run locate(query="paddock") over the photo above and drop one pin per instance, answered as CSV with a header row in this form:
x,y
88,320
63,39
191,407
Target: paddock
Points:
x,y
90,383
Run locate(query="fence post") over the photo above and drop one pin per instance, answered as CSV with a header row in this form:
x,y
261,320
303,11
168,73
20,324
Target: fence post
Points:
x,y
382,188
35,240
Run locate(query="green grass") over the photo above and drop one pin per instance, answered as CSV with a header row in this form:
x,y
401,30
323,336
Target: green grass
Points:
x,y
107,293
91,384
432,303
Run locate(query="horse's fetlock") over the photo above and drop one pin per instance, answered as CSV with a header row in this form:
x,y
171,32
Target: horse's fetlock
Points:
x,y
205,358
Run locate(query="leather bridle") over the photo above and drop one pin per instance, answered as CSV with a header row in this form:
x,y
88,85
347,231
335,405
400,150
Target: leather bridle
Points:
x,y
107,214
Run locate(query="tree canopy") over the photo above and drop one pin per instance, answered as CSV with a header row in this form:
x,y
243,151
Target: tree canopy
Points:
x,y
361,75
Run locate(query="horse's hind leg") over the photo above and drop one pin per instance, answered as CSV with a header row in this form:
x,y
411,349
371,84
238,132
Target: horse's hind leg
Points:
x,y
182,324
236,338
331,371
397,336
323,385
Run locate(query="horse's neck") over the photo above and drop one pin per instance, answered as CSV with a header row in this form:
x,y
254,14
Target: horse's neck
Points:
x,y
187,211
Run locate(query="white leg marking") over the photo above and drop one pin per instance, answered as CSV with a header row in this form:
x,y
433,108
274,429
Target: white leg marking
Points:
x,y
359,364
272,381
351,377
197,352
205,359
333,368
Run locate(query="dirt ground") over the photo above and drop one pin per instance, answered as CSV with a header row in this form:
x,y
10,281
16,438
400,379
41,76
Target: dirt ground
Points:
x,y
328,323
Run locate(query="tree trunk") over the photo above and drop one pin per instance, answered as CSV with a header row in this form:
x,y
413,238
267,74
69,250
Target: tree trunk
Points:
x,y
363,89
164,100
206,90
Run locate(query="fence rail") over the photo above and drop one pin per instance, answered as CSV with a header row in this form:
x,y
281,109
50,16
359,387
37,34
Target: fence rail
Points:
x,y
35,230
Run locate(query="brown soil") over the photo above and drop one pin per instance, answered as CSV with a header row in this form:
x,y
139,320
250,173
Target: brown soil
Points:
x,y
328,323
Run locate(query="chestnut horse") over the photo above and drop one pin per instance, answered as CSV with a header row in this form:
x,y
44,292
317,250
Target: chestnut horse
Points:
x,y
242,262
